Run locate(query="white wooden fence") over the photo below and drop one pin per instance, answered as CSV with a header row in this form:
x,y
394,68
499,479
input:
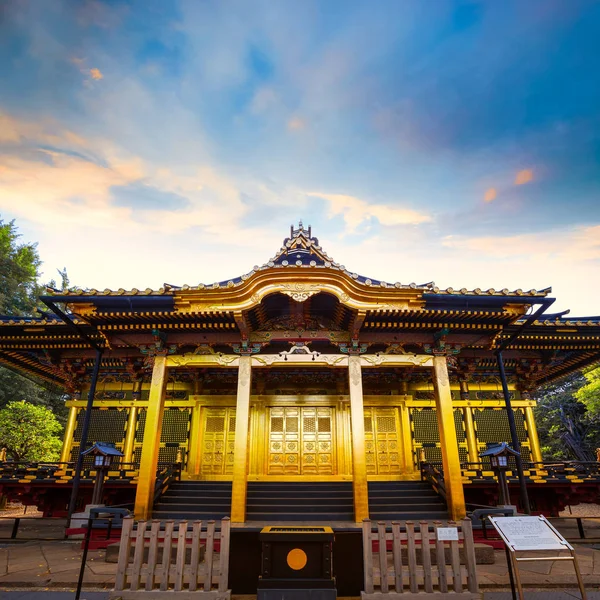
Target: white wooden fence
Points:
x,y
386,577
199,570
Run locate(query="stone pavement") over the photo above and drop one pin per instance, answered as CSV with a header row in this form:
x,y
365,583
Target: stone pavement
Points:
x,y
55,564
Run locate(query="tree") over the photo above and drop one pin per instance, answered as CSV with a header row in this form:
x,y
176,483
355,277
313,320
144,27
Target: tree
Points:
x,y
29,432
589,393
19,272
19,291
567,428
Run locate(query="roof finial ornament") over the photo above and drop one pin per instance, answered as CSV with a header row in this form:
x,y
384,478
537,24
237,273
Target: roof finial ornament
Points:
x,y
300,225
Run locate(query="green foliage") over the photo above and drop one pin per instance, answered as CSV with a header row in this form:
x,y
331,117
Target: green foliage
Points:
x,y
19,290
567,429
29,432
589,394
19,272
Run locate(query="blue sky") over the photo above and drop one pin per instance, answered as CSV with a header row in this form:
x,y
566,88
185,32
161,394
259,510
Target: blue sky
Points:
x,y
144,142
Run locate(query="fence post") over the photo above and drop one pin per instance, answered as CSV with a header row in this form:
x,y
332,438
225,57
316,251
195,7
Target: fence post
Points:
x,y
224,555
469,550
368,556
124,550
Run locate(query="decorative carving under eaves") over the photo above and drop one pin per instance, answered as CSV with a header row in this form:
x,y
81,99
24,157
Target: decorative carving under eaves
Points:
x,y
440,347
158,348
268,336
492,395
424,395
246,348
110,395
354,348
204,349
300,323
395,349
300,292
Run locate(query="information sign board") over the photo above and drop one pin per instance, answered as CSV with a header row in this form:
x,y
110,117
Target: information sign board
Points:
x,y
529,533
447,534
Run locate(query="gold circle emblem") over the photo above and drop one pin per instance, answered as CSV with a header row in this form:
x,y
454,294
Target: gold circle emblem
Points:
x,y
297,559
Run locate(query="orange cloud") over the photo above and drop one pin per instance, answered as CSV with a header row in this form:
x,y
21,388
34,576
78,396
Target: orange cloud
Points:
x,y
355,211
296,124
524,176
96,74
490,195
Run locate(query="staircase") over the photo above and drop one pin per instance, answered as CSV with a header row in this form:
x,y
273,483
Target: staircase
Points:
x,y
299,501
405,500
194,500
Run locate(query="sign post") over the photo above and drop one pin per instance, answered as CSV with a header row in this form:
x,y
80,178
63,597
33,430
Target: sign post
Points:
x,y
533,534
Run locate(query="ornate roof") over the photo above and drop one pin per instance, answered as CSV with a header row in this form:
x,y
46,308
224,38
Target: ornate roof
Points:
x,y
302,251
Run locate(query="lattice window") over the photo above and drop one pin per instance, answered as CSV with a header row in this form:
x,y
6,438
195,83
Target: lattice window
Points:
x,y
291,424
175,426
427,436
386,424
368,424
324,424
215,424
277,424
425,425
106,425
310,424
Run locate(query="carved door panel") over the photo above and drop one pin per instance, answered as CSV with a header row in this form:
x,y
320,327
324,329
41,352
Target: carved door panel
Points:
x,y
218,441
382,441
301,441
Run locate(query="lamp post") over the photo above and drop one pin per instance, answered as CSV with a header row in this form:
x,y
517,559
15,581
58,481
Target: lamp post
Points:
x,y
103,453
498,456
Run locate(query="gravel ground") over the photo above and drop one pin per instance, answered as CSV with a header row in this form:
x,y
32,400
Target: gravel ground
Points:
x,y
582,510
18,510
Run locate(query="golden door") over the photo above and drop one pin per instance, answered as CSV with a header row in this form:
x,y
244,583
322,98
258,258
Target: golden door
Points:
x,y
382,441
301,441
218,441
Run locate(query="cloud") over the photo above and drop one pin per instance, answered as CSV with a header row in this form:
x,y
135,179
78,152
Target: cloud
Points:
x,y
524,176
96,74
296,123
490,195
579,244
355,211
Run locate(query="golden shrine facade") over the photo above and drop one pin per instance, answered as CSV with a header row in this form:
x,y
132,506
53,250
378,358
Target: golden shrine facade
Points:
x,y
299,370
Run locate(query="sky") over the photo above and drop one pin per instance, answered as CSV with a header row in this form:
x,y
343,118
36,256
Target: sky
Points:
x,y
144,142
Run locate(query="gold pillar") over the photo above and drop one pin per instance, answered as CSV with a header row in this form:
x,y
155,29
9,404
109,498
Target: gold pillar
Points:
x,y
532,434
130,435
407,443
195,446
359,461
65,453
144,495
472,447
240,453
449,444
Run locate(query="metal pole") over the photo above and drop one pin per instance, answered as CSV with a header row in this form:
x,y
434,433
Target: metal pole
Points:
x,y
84,435
86,545
513,434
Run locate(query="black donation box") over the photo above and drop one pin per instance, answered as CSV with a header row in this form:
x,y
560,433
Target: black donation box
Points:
x,y
296,563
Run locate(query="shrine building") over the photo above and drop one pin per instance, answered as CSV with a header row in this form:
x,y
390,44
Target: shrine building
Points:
x,y
301,389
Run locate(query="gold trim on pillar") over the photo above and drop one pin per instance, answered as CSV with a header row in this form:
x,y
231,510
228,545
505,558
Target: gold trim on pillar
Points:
x,y
144,495
449,445
130,435
65,454
359,461
472,448
532,434
240,455
407,441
